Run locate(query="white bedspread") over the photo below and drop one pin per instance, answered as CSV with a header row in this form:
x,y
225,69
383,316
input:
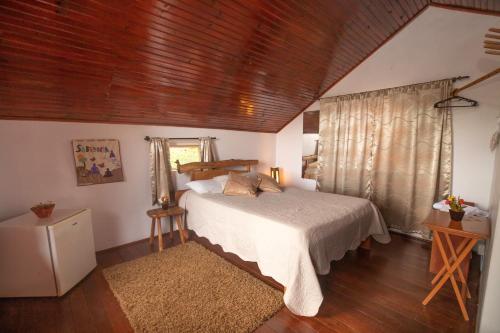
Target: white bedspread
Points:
x,y
291,235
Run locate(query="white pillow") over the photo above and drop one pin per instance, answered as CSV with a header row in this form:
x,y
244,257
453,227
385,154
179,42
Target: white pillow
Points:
x,y
205,186
222,180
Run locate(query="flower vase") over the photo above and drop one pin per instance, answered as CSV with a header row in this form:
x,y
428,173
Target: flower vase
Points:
x,y
456,216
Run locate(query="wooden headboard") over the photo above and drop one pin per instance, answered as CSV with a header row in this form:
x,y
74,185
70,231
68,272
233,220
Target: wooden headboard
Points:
x,y
208,170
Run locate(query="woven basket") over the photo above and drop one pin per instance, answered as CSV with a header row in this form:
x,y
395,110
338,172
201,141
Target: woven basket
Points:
x,y
43,210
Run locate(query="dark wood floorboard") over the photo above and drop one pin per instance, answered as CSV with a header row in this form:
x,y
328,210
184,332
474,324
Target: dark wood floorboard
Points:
x,y
367,291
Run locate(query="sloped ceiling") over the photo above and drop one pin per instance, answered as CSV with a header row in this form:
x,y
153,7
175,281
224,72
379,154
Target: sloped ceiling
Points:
x,y
233,64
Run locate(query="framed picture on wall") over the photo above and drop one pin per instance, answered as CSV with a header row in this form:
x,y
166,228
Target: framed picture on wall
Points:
x,y
97,161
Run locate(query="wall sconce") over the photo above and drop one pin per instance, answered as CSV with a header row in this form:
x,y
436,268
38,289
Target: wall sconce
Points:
x,y
275,173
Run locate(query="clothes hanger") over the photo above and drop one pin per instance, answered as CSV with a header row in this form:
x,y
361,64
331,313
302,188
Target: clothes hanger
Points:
x,y
454,97
446,103
491,47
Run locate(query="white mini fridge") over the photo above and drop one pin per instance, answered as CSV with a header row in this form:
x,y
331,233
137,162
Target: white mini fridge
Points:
x,y
45,257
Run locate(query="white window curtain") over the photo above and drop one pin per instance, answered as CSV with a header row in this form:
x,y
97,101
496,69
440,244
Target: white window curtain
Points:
x,y
390,146
207,150
160,170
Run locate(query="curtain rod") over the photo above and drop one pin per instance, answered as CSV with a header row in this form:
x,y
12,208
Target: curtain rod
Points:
x,y
458,78
453,79
148,138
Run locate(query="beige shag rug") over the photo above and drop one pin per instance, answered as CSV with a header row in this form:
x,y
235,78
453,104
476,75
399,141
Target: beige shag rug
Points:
x,y
187,288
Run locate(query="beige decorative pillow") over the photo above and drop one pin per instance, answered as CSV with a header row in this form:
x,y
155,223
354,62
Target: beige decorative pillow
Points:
x,y
240,185
268,184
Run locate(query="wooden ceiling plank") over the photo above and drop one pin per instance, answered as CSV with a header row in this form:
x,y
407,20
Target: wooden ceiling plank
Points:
x,y
33,23
382,15
405,10
210,42
27,36
342,75
63,106
156,54
256,100
48,114
176,99
395,12
63,55
32,14
347,30
374,26
346,14
243,65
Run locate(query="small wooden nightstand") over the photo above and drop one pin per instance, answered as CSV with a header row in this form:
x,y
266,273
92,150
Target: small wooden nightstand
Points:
x,y
157,214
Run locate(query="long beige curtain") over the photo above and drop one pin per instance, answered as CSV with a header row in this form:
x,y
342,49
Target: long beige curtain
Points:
x,y
207,151
390,146
160,170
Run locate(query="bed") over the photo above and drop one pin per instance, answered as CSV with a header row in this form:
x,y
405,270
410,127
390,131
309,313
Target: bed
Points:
x,y
310,166
292,235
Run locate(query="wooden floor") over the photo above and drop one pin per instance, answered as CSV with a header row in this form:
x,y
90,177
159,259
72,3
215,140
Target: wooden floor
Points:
x,y
376,291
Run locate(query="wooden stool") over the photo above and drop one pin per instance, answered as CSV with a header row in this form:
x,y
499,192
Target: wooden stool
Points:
x,y
157,214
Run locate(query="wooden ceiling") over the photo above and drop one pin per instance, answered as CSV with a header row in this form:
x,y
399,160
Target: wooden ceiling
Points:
x,y
233,64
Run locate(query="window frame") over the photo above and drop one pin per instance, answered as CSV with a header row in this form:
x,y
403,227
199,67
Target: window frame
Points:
x,y
183,143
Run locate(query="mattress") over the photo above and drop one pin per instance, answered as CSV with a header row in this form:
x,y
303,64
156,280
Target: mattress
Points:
x,y
292,235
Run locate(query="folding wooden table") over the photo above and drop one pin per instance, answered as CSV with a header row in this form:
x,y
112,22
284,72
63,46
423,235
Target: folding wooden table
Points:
x,y
470,230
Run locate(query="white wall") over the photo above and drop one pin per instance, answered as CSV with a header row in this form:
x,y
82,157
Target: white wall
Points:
x,y
489,299
289,155
36,164
309,143
438,44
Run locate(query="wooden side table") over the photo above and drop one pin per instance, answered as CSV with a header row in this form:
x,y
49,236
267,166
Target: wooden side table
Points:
x,y
436,263
176,213
470,230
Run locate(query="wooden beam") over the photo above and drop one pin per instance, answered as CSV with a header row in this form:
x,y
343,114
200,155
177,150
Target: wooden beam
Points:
x,y
492,47
482,78
492,52
497,30
492,36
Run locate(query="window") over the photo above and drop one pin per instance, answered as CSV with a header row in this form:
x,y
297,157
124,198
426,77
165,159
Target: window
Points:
x,y
185,152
